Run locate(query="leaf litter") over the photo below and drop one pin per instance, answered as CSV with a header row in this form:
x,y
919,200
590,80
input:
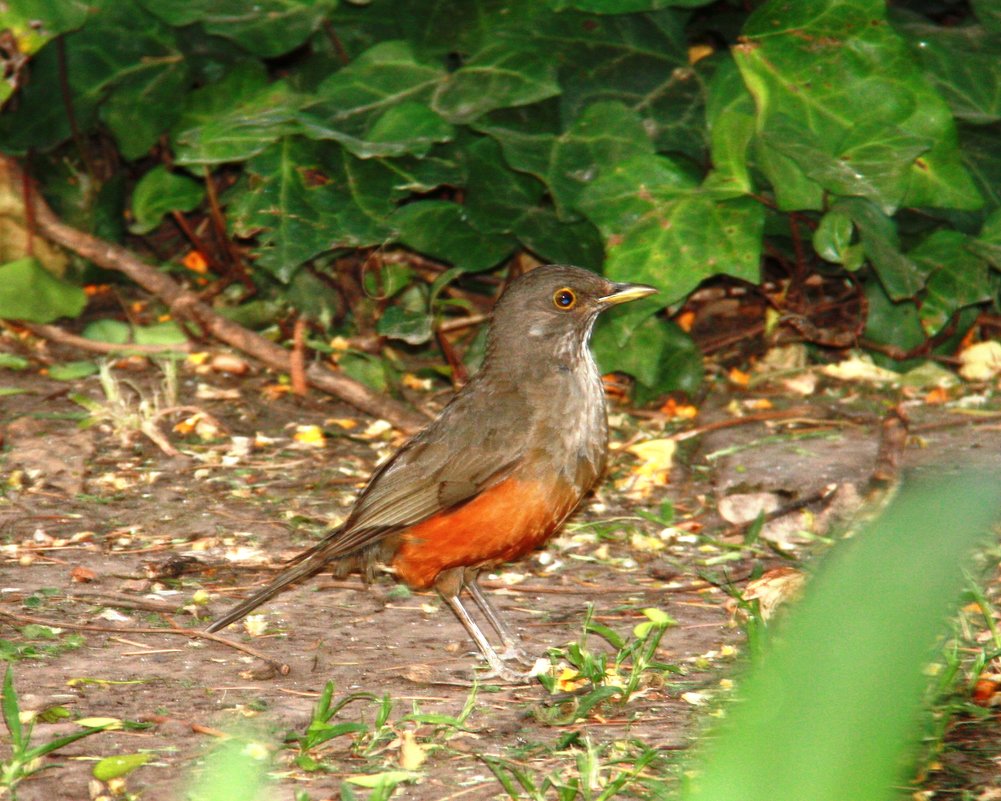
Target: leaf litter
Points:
x,y
198,528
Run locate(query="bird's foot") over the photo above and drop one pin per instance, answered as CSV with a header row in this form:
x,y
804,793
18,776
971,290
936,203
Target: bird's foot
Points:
x,y
505,673
515,653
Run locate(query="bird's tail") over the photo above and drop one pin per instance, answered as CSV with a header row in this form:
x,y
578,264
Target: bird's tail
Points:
x,y
303,566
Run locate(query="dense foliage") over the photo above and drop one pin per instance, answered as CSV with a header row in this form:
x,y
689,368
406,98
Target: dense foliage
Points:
x,y
663,142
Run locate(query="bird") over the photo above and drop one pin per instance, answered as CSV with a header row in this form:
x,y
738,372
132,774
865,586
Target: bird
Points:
x,y
497,472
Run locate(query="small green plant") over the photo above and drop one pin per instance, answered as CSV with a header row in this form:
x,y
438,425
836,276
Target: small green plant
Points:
x,y
25,759
129,411
321,728
371,739
598,772
47,643
633,663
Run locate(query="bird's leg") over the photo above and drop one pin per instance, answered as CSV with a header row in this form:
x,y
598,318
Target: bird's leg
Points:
x,y
448,585
510,640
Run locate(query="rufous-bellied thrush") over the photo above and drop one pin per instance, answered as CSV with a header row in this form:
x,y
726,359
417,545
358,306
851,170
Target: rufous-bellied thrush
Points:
x,y
498,471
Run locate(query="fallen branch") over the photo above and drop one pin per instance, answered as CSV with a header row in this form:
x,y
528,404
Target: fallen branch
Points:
x,y
56,334
187,305
191,634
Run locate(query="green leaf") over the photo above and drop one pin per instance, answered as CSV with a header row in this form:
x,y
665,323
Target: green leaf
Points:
x,y
266,28
355,106
12,712
659,355
899,275
31,293
888,322
235,118
637,60
989,14
32,23
497,197
8,361
731,122
962,63
166,333
988,243
108,330
499,76
72,371
682,242
631,189
145,68
957,277
409,325
442,230
605,134
119,765
303,198
160,192
854,649
833,236
370,370
409,128
556,241
838,92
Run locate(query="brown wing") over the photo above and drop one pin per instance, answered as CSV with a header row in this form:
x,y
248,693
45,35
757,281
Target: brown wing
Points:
x,y
463,452
426,476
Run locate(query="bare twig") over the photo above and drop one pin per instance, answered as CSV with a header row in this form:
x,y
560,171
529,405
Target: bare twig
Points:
x,y
185,304
191,634
56,334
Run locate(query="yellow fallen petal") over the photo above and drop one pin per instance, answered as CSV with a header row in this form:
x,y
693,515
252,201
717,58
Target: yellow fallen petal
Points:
x,y
310,435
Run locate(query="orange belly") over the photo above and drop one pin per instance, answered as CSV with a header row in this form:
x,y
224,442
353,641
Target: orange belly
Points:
x,y
500,524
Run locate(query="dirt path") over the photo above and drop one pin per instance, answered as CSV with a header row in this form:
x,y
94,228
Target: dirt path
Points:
x,y
97,532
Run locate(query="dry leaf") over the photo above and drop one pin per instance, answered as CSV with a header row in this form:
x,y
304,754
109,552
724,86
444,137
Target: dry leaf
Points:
x,y
738,377
656,457
310,436
82,575
255,625
229,363
981,362
774,588
412,753
741,508
861,368
410,381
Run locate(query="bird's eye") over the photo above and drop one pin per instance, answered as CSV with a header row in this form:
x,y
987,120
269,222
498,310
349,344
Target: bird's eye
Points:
x,y
564,299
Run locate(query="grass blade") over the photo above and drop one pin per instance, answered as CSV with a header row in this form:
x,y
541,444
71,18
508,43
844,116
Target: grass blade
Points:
x,y
829,712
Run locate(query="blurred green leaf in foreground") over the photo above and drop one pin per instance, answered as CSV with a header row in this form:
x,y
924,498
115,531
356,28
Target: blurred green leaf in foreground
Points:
x,y
831,710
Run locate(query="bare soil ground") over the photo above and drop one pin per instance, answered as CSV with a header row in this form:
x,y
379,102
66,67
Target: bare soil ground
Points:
x,y
116,535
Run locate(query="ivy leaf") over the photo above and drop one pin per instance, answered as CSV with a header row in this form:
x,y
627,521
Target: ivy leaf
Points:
x,y
730,119
235,118
301,199
266,28
32,23
899,275
963,64
659,355
499,76
31,293
144,68
442,230
637,60
847,87
957,277
603,135
160,192
361,102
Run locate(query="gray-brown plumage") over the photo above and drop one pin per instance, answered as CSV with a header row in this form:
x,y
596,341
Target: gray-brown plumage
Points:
x,y
502,466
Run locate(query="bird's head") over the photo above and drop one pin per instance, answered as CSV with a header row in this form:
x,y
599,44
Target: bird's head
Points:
x,y
553,309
